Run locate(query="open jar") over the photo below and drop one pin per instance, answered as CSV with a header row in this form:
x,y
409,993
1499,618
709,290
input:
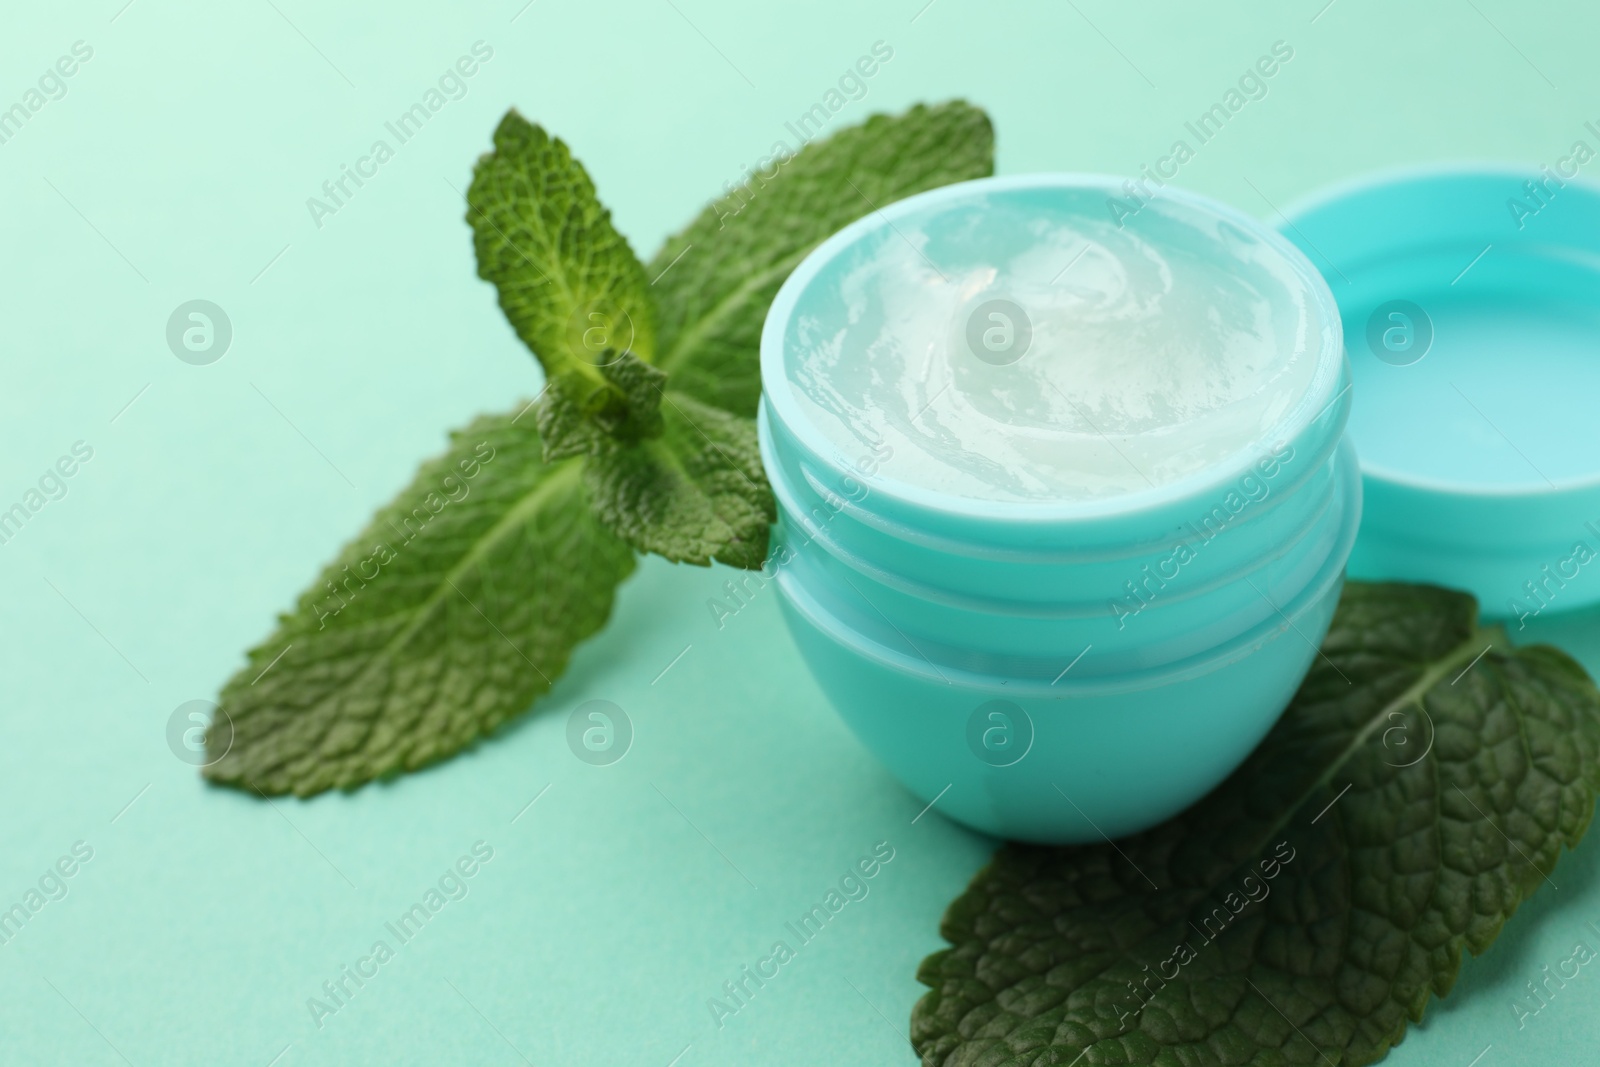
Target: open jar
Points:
x,y
1064,499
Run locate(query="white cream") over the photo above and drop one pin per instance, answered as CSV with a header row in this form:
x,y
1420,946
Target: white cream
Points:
x,y
1157,349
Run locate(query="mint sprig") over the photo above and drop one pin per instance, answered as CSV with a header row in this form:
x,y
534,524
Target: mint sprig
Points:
x,y
677,475
411,645
1411,798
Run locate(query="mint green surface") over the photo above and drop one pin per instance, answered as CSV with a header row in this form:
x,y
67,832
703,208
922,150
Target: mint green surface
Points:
x,y
181,159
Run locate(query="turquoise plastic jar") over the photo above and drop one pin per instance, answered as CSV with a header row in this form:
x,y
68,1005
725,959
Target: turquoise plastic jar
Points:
x,y
1058,671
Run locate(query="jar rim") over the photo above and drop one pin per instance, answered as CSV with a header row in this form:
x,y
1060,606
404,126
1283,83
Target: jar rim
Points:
x,y
1312,405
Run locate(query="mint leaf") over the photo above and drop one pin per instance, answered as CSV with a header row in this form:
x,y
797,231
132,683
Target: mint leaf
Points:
x,y
577,419
457,605
694,494
567,280
715,279
1284,919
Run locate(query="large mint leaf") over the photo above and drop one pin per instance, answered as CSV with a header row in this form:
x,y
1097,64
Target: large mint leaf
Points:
x,y
1310,906
695,493
569,283
446,616
715,280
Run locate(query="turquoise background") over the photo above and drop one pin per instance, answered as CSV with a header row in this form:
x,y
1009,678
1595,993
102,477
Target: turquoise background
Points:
x,y
177,167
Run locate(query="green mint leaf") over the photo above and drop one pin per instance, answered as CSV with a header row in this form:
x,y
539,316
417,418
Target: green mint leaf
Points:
x,y
1311,905
577,418
457,605
695,493
568,282
566,419
715,280
641,387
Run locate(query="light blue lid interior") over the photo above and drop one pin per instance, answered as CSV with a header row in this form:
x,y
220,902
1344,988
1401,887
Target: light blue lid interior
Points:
x,y
1471,309
1470,303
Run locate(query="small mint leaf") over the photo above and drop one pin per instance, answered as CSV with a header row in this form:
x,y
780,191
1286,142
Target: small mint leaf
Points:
x,y
458,604
567,280
641,386
1311,905
577,418
716,278
566,425
695,493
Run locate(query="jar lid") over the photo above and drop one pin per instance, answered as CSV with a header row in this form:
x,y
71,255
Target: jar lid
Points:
x,y
1470,301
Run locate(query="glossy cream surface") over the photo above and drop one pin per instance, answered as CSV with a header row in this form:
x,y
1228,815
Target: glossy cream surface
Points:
x,y
1024,345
